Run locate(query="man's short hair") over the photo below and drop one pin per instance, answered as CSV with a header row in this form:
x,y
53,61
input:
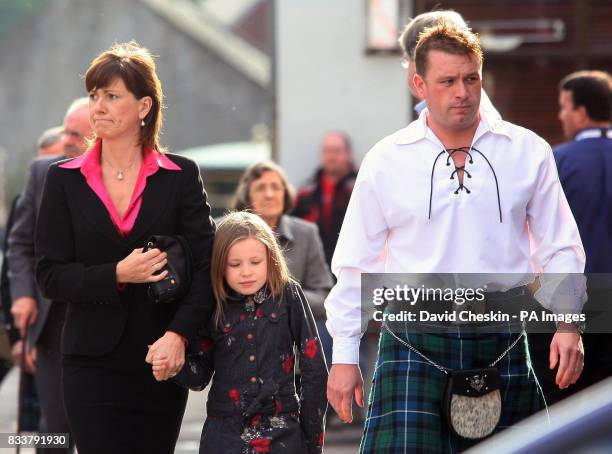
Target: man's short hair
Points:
x,y
77,104
410,36
593,90
348,144
50,136
445,37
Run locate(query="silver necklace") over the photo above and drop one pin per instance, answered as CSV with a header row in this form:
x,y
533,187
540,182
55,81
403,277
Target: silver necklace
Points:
x,y
120,173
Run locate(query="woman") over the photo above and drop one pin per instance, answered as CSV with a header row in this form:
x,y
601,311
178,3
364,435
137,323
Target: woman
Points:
x,y
264,189
96,214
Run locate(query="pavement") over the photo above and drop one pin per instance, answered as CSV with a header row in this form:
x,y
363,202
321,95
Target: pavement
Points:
x,y
340,438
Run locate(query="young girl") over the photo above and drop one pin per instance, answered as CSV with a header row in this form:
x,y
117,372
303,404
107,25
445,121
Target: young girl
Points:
x,y
262,326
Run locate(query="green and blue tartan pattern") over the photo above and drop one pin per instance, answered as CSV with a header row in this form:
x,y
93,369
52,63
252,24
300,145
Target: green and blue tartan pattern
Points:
x,y
406,396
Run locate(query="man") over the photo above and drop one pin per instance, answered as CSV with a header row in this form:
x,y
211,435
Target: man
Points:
x,y
408,41
585,112
29,308
51,142
584,166
323,201
29,402
9,336
499,209
325,198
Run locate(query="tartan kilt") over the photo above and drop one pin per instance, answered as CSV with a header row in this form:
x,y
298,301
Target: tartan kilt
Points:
x,y
404,410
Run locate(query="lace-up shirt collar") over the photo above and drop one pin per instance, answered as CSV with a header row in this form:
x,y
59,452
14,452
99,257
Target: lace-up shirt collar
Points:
x,y
418,129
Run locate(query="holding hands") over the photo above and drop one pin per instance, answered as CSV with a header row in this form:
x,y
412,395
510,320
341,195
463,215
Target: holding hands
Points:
x,y
167,356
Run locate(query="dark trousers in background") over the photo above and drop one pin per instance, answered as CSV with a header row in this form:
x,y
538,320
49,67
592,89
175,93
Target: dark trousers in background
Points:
x,y
5,351
30,407
48,377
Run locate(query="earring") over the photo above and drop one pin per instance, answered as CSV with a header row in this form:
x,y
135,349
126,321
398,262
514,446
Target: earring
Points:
x,y
142,123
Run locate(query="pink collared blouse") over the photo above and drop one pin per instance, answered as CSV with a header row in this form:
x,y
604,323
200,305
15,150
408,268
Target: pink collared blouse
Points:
x,y
89,164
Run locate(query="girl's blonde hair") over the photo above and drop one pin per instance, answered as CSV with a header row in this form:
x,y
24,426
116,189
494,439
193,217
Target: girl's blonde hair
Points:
x,y
236,227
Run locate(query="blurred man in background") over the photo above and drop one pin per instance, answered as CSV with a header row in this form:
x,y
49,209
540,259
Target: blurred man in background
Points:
x,y
408,41
584,164
51,142
325,198
30,309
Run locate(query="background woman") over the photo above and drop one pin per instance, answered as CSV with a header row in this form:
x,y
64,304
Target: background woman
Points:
x,y
264,189
96,214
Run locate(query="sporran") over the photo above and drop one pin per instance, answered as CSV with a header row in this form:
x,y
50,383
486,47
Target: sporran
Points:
x,y
471,404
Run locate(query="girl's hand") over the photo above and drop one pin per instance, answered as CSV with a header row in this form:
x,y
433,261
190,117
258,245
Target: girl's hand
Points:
x,y
170,348
138,267
160,367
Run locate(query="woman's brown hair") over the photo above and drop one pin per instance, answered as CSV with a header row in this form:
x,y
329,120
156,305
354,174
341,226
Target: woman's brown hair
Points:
x,y
235,227
135,66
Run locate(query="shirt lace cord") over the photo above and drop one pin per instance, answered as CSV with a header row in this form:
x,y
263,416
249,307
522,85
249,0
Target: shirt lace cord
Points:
x,y
461,186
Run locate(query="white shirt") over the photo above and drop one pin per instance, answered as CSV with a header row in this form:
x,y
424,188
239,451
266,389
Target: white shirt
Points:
x,y
388,228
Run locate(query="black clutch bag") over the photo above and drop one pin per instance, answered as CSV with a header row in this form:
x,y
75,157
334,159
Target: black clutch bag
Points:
x,y
176,283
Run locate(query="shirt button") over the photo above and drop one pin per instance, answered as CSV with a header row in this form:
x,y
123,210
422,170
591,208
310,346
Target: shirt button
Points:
x,y
253,380
252,358
250,336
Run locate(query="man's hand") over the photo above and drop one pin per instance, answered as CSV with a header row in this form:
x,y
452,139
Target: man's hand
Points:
x,y
30,357
25,312
344,382
30,361
170,350
567,351
16,352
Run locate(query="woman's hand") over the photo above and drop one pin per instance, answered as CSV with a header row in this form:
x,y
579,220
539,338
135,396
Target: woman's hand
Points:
x,y
167,356
138,267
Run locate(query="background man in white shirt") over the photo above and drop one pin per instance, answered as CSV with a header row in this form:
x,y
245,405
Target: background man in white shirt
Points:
x,y
501,211
408,41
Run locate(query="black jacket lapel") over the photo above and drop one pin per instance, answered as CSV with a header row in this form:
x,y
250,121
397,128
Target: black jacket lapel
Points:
x,y
158,192
92,208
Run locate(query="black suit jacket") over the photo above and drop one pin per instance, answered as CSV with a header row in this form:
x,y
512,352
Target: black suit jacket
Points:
x,y
20,252
5,290
78,247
